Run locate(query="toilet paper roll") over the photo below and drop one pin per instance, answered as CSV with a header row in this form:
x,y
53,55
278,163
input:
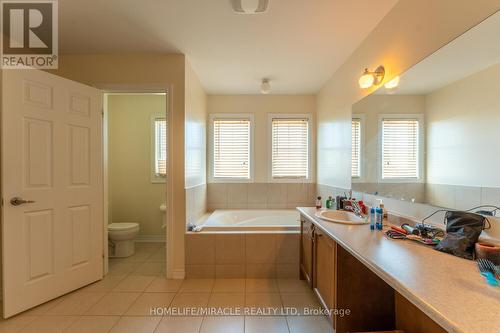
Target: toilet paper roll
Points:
x,y
488,251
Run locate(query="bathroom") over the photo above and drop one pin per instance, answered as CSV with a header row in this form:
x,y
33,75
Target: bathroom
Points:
x,y
136,173
188,167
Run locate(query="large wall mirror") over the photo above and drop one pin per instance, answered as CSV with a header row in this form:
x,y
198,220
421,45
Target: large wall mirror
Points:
x,y
435,138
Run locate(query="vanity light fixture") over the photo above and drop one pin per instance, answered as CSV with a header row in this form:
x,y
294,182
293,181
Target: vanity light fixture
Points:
x,y
265,87
393,84
369,79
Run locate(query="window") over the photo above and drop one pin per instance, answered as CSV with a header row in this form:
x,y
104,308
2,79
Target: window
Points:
x,y
290,147
159,148
231,147
356,148
401,147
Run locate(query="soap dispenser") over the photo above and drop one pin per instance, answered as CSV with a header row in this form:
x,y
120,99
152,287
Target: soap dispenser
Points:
x,y
382,207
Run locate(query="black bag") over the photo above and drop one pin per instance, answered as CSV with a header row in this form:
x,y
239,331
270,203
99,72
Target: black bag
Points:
x,y
462,233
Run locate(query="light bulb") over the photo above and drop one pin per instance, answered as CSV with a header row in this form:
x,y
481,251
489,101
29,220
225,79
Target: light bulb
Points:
x,y
250,6
393,83
366,80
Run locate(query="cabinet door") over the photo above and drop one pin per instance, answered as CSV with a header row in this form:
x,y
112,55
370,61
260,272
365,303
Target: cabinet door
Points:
x,y
324,269
306,250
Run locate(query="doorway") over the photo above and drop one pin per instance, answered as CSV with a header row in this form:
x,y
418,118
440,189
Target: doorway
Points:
x,y
135,155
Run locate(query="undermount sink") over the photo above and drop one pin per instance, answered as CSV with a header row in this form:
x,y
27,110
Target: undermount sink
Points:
x,y
340,216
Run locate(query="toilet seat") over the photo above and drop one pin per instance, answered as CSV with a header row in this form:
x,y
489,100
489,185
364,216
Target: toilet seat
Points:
x,y
123,226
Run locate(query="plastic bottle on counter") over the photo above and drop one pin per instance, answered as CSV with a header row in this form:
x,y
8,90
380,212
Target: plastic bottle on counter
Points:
x,y
372,218
329,202
382,206
318,203
380,218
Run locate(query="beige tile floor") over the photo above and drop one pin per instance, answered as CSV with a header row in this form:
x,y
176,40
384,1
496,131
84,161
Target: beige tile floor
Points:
x,y
121,303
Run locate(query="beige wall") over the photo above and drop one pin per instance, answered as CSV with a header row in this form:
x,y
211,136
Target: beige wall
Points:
x,y
132,195
196,147
462,125
260,106
195,136
401,40
135,71
371,106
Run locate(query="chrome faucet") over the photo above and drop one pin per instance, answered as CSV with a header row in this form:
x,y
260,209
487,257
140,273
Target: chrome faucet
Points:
x,y
356,209
353,205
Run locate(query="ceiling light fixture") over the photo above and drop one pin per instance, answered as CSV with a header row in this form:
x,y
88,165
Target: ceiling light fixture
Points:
x,y
265,86
250,6
393,84
369,79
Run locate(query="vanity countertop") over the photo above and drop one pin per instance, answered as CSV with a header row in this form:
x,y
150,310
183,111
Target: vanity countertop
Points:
x,y
448,289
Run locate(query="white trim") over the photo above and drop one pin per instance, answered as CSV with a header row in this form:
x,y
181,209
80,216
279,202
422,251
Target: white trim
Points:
x,y
178,274
154,178
105,154
310,148
210,167
421,154
150,239
362,142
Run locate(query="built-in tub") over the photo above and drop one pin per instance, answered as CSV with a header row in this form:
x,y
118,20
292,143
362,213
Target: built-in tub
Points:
x,y
253,220
255,244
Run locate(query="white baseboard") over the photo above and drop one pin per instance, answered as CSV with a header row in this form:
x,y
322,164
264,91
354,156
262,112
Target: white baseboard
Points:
x,y
150,238
178,274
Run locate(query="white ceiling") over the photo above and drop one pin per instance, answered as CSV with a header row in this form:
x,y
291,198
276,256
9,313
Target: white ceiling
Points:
x,y
475,50
298,44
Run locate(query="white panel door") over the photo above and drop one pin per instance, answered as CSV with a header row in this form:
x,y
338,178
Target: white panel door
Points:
x,y
52,187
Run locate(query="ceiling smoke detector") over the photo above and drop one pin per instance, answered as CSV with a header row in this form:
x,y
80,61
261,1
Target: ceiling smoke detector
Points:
x,y
250,6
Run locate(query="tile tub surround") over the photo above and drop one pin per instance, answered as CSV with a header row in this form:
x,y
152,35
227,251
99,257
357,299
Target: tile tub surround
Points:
x,y
260,195
196,203
89,309
242,255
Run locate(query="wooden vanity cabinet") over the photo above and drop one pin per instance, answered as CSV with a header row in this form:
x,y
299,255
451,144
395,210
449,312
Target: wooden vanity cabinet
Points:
x,y
306,250
324,269
340,281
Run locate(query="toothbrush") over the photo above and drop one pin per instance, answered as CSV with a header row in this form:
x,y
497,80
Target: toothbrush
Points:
x,y
487,273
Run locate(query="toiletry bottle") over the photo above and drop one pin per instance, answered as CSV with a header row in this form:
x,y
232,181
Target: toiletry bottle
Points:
x,y
363,207
329,202
318,202
382,206
380,218
341,203
372,218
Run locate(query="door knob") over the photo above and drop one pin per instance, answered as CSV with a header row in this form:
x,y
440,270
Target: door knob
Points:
x,y
16,201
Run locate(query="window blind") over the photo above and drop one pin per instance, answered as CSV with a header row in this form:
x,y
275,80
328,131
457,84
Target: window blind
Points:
x,y
356,148
400,148
231,148
160,147
290,148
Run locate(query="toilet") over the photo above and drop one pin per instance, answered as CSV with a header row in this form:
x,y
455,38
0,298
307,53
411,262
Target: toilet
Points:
x,y
122,239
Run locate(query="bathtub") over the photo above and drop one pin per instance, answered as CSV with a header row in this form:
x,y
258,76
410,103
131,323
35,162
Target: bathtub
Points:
x,y
238,244
253,220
